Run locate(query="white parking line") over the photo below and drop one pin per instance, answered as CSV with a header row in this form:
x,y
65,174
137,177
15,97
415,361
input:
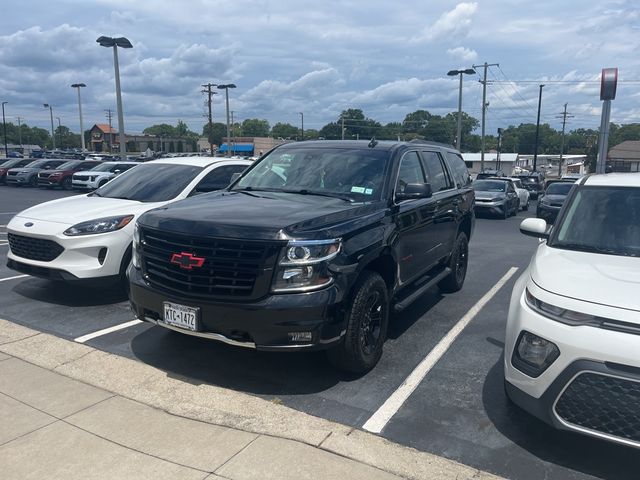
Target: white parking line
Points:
x,y
391,406
13,278
99,333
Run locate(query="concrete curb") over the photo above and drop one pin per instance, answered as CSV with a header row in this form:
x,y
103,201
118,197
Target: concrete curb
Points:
x,y
219,406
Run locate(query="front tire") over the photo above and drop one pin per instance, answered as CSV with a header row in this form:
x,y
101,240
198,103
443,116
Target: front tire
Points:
x,y
458,264
367,320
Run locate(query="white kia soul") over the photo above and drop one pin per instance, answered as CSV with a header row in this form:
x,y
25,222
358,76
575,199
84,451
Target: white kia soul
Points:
x,y
572,349
88,237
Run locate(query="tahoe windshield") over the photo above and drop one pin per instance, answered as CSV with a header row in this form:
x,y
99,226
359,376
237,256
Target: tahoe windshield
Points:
x,y
350,174
489,186
601,220
559,189
150,183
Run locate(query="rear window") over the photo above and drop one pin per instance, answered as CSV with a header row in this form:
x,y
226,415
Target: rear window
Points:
x,y
559,188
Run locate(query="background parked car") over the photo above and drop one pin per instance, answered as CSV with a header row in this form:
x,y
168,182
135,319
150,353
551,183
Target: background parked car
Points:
x,y
61,176
496,196
523,193
28,175
8,164
88,237
534,182
99,175
552,199
488,173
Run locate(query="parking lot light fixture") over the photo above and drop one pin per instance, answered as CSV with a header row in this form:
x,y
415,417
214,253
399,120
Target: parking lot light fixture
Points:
x,y
114,43
226,88
78,86
53,136
453,73
4,127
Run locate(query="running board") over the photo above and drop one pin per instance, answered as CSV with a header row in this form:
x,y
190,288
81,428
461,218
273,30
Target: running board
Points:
x,y
399,306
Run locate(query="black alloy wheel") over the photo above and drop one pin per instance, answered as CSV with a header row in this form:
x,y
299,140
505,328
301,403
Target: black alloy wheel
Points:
x,y
367,319
458,263
33,181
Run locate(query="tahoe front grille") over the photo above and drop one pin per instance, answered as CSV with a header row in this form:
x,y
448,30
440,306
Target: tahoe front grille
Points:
x,y
603,404
34,248
240,269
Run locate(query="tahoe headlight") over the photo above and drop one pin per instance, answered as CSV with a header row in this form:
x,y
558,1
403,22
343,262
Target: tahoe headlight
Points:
x,y
101,225
135,252
303,265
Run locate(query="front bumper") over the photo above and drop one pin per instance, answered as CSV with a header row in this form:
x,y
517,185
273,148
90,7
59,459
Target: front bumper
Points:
x,y
593,387
83,184
49,182
496,208
18,179
263,325
83,258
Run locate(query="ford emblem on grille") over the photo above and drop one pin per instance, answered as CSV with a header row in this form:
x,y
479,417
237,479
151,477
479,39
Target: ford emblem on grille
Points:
x,y
187,261
28,224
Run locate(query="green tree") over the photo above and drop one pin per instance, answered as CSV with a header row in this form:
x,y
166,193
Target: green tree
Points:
x,y
65,138
162,129
218,131
285,130
253,127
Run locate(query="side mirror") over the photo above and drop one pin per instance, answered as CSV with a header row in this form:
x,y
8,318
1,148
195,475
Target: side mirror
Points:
x,y
534,227
235,177
415,190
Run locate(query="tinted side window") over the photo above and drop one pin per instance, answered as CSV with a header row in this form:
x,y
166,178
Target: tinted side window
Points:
x,y
437,175
218,178
458,169
410,171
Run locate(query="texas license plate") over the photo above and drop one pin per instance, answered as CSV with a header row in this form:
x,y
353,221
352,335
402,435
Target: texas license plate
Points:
x,y
181,316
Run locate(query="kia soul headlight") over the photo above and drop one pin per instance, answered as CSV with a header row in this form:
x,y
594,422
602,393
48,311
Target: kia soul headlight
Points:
x,y
303,265
101,225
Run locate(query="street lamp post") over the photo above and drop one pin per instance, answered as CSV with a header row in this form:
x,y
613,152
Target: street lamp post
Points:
x,y
121,42
77,86
53,136
535,148
4,127
226,88
453,73
59,132
302,124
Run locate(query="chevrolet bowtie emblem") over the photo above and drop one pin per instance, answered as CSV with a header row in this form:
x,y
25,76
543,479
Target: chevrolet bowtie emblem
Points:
x,y
187,261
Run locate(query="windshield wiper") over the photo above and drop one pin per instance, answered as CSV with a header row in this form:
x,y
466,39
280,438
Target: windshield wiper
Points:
x,y
304,191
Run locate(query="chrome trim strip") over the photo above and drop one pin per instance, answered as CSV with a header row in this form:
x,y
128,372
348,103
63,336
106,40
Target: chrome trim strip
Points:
x,y
211,336
588,431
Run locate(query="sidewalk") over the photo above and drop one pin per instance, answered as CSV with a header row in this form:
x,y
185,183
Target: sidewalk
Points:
x,y
68,411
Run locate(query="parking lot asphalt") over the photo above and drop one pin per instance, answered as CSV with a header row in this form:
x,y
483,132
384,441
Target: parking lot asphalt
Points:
x,y
458,410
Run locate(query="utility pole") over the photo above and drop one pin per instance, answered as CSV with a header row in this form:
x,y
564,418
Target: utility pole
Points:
x,y
565,115
535,148
484,106
109,116
233,133
498,164
4,126
342,118
59,132
302,120
210,93
20,133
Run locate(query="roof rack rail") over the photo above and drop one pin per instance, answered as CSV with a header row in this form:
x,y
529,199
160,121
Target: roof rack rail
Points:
x,y
429,142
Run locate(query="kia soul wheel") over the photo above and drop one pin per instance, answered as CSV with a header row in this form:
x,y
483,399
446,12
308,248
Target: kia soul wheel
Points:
x,y
367,321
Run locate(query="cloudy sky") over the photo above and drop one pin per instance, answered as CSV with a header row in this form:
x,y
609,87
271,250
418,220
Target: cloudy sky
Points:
x,y
318,57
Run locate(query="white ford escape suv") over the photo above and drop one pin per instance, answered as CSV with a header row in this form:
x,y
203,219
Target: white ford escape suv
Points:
x,y
572,352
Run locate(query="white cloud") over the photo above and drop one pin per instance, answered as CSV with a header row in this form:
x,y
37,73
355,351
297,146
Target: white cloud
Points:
x,y
462,53
453,24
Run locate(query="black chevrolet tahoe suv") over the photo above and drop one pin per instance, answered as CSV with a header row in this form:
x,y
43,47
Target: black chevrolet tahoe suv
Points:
x,y
311,248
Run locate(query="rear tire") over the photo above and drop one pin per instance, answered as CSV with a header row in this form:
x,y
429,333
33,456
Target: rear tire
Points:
x,y
458,264
526,206
367,319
